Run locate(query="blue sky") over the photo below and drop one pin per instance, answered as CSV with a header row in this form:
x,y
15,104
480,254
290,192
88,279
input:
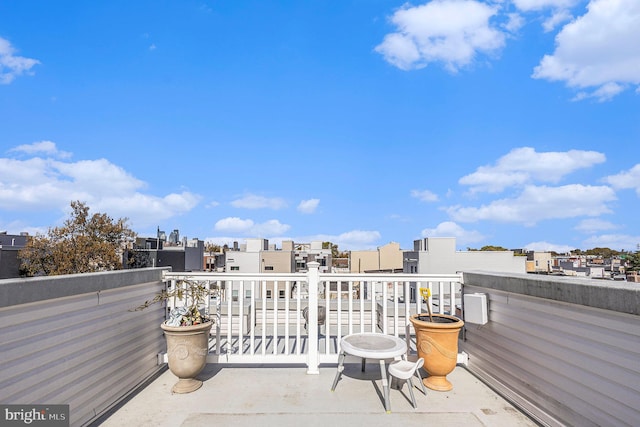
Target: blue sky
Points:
x,y
509,122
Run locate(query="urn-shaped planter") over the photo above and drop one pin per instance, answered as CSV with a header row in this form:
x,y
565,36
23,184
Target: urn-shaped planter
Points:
x,y
437,344
187,350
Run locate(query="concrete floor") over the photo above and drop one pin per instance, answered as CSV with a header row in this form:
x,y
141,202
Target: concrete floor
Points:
x,y
286,396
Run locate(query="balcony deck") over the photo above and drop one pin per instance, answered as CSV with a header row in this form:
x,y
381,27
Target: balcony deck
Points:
x,y
287,396
563,351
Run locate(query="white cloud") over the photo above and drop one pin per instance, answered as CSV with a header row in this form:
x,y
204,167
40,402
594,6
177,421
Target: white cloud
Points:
x,y
597,51
233,225
99,176
44,184
451,229
536,204
12,66
272,227
350,240
591,225
453,32
41,147
604,93
533,5
358,237
145,210
249,228
613,241
626,179
424,195
252,201
20,226
556,19
548,247
514,22
524,165
308,206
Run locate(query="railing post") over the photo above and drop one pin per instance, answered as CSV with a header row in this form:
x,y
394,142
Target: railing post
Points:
x,y
313,277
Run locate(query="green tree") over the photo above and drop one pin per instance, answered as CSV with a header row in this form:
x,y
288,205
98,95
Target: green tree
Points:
x,y
603,252
334,248
493,248
633,261
213,247
83,244
336,253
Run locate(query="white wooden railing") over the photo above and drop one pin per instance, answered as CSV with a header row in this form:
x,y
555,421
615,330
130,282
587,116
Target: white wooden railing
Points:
x,y
260,317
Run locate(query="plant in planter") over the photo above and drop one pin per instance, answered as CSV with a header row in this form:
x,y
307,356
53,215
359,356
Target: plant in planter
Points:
x,y
437,344
187,332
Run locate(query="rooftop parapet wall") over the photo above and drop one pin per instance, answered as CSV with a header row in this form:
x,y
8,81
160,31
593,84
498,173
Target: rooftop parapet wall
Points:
x,y
34,289
73,339
623,297
564,350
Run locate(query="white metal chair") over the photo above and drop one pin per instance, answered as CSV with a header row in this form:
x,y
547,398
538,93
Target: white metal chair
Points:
x,y
321,317
414,358
404,370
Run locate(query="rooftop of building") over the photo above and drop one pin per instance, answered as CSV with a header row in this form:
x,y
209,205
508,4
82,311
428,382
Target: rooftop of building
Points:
x,y
554,351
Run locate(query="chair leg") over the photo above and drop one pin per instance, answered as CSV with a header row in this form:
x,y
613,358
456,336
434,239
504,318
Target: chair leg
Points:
x,y
339,370
424,390
413,398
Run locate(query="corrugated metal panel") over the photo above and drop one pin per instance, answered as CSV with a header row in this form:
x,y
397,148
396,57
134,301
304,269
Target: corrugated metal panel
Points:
x,y
87,350
563,363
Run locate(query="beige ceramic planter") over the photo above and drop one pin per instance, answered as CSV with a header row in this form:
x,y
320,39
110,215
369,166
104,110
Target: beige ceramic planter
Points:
x,y
437,344
187,349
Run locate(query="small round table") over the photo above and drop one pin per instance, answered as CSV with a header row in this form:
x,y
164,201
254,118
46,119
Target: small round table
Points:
x,y
370,345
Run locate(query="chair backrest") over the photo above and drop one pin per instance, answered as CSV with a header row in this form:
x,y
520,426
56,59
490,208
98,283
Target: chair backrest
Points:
x,y
419,363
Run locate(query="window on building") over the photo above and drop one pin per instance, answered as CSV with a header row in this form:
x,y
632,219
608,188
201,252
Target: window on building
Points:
x,y
247,294
281,293
268,268
269,293
235,268
235,295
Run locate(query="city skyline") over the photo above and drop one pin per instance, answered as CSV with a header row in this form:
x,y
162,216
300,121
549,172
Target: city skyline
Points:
x,y
506,123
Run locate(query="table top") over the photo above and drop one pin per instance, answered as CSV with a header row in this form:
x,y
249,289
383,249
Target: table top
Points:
x,y
373,345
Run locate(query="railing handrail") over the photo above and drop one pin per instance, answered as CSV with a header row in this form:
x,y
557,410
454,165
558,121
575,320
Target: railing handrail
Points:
x,y
410,277
266,309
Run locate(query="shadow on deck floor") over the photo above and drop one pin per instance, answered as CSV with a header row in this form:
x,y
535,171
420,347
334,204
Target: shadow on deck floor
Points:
x,y
286,396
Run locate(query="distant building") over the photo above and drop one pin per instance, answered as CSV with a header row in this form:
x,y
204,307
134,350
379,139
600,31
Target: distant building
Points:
x,y
385,259
256,255
10,244
438,255
539,262
305,253
185,255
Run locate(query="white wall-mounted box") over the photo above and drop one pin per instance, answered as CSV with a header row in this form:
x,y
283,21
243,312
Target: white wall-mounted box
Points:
x,y
475,308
